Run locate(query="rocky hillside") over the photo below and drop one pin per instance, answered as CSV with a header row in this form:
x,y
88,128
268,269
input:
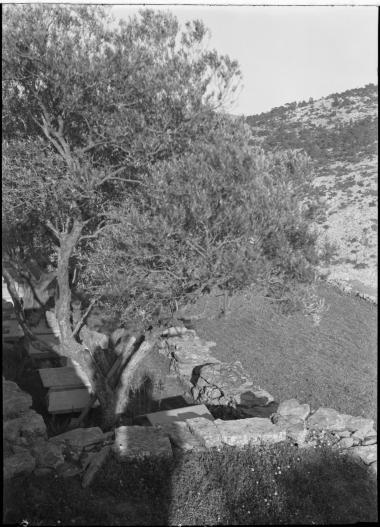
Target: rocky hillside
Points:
x,y
339,132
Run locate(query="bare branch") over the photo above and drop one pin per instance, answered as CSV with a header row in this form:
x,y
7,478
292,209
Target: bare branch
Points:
x,y
81,321
96,233
53,229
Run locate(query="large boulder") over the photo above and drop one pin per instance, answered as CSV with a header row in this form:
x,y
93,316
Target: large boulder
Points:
x,y
15,401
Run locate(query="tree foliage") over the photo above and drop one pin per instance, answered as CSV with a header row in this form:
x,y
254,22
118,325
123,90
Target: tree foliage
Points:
x,y
119,161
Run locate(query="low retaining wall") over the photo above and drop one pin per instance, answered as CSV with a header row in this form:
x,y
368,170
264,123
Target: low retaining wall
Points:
x,y
251,416
226,388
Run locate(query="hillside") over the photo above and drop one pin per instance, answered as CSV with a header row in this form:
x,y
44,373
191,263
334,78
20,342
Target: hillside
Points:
x,y
339,133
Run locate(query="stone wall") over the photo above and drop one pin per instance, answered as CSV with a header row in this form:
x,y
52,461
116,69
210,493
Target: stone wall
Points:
x,y
26,445
250,416
227,391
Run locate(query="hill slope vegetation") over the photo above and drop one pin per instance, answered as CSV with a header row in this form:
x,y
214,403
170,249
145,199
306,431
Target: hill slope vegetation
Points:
x,y
339,132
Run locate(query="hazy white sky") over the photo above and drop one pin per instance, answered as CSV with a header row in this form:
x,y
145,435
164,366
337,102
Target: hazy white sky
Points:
x,y
288,53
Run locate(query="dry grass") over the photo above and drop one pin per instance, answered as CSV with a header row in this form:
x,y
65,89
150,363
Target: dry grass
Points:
x,y
333,364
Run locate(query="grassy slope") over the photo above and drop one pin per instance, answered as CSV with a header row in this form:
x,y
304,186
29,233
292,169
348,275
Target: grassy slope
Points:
x,y
331,365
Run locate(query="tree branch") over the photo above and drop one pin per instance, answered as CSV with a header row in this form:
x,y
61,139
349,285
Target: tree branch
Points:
x,y
53,229
81,321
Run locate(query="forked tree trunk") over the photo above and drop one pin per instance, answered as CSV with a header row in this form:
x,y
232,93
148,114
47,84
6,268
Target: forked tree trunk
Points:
x,y
68,346
113,397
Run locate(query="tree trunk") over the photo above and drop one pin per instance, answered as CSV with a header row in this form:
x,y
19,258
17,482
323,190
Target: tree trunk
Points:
x,y
122,392
69,347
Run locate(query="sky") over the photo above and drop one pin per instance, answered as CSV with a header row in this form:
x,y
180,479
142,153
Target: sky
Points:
x,y
288,53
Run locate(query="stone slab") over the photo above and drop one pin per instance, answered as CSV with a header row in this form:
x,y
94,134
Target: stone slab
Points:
x,y
179,414
205,431
141,441
80,437
255,430
180,436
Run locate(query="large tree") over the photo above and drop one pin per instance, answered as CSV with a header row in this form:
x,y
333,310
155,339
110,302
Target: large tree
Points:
x,y
89,107
118,161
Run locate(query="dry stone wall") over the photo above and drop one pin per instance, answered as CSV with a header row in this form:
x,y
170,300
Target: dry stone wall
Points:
x,y
251,417
257,416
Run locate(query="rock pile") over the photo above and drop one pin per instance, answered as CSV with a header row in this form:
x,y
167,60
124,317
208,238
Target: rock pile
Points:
x,y
27,447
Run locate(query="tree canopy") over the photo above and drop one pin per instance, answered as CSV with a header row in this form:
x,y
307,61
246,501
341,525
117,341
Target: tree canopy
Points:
x,y
118,159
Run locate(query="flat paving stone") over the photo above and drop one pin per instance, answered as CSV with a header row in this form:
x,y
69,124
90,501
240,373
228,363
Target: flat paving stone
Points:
x,y
181,437
179,414
141,441
206,431
80,437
